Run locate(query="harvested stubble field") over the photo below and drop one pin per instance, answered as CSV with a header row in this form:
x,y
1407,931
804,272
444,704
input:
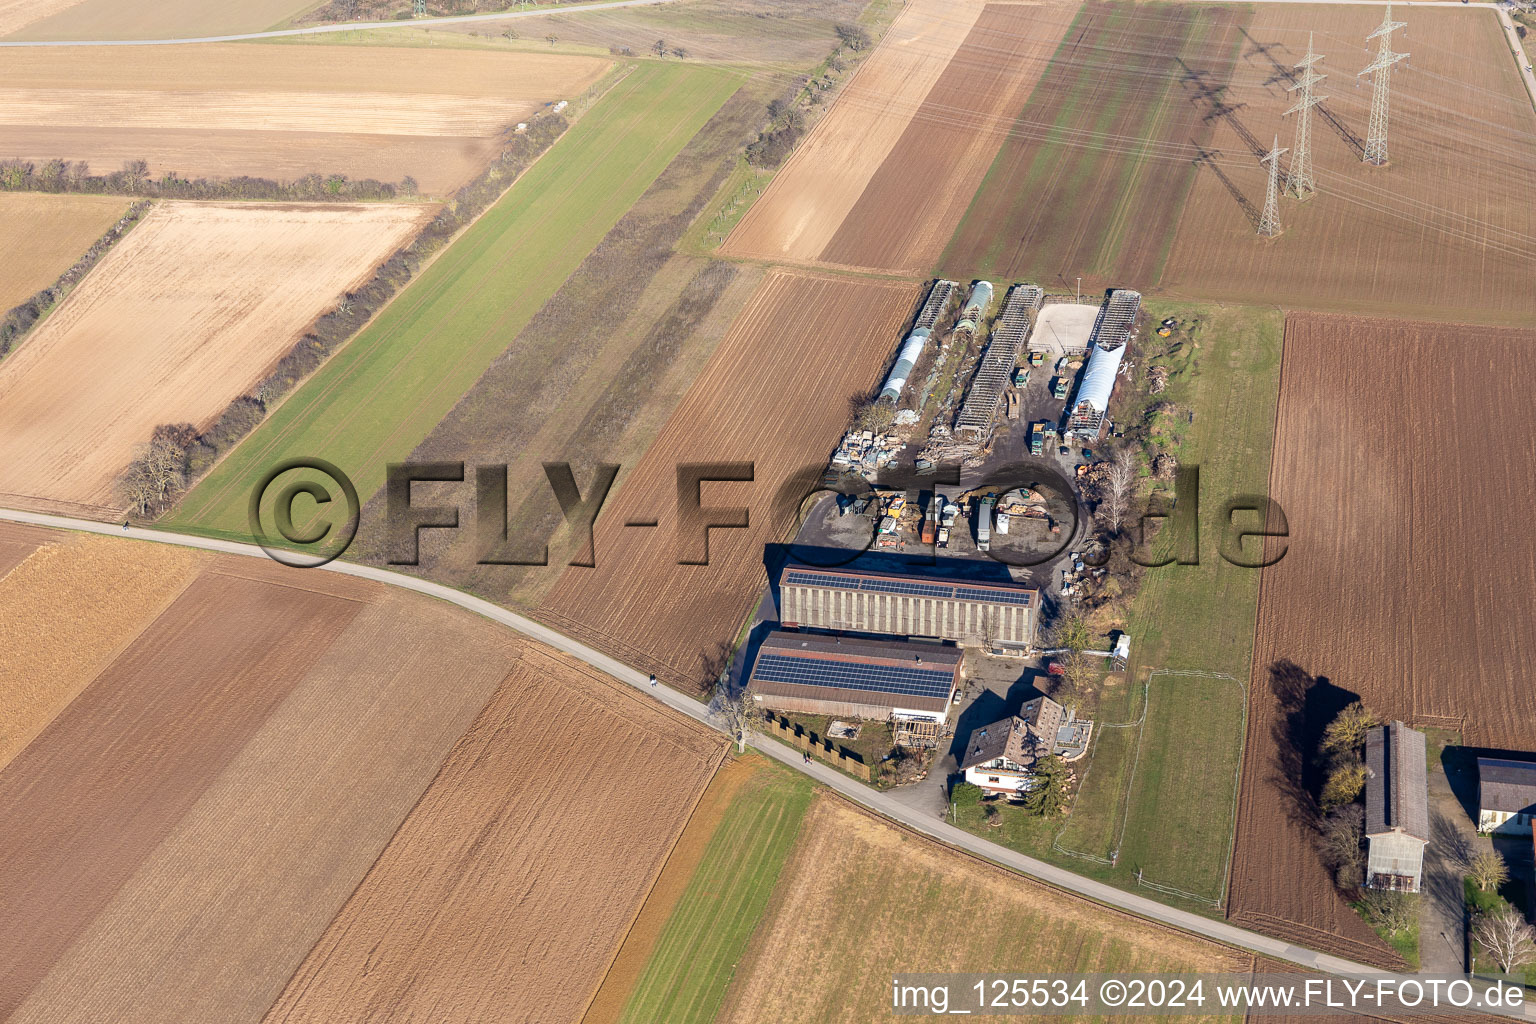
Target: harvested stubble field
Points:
x,y
224,110
182,316
856,882
776,394
42,236
1406,578
1446,231
382,393
250,751
1091,177
506,894
94,594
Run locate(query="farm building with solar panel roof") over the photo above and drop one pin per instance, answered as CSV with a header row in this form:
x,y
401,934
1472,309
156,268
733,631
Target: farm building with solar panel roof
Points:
x,y
902,681
995,615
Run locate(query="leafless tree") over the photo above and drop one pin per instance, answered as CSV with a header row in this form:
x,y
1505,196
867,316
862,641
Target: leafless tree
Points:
x,y
736,710
1507,938
155,477
1342,835
1391,911
1116,487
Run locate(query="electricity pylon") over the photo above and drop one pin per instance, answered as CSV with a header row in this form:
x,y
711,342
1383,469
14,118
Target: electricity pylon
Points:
x,y
1381,70
1298,179
1269,223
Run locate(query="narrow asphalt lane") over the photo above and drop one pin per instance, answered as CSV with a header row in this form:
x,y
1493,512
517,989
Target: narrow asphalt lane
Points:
x,y
884,804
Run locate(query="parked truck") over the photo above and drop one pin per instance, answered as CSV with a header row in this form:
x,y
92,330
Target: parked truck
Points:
x,y
1037,440
984,525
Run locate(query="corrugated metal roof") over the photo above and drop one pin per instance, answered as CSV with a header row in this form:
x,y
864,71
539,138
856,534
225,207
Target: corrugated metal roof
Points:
x,y
1397,782
1099,379
840,578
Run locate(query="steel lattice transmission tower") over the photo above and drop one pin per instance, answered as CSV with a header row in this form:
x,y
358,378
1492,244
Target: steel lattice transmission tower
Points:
x,y
1381,70
1269,223
1298,179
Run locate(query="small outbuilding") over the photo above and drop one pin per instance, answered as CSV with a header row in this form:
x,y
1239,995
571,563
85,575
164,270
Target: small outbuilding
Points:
x,y
1506,796
1396,807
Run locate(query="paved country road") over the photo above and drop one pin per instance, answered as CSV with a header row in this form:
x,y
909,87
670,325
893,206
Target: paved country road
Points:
x,y
350,26
881,803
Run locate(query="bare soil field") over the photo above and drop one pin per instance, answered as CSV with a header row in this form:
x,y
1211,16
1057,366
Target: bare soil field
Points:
x,y
110,777
94,595
107,19
1446,231
183,315
906,903
42,236
281,112
280,838
822,181
1403,561
607,1006
1090,179
506,893
17,14
17,542
776,394
903,219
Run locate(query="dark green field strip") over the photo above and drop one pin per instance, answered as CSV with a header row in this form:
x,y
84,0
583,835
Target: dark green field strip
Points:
x,y
702,942
381,394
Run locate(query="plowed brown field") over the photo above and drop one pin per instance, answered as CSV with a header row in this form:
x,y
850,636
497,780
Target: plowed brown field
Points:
x,y
281,837
830,170
912,204
507,891
776,394
882,180
113,773
184,314
1402,458
1096,164
42,236
279,111
1446,231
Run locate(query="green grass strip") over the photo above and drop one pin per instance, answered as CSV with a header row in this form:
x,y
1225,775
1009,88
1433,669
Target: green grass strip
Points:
x,y
380,396
686,979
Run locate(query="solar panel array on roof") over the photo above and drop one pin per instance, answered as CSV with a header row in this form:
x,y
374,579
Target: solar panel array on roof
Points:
x,y
946,591
841,675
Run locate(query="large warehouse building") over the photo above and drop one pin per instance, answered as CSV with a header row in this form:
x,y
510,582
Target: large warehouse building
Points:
x,y
1110,339
994,615
886,680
